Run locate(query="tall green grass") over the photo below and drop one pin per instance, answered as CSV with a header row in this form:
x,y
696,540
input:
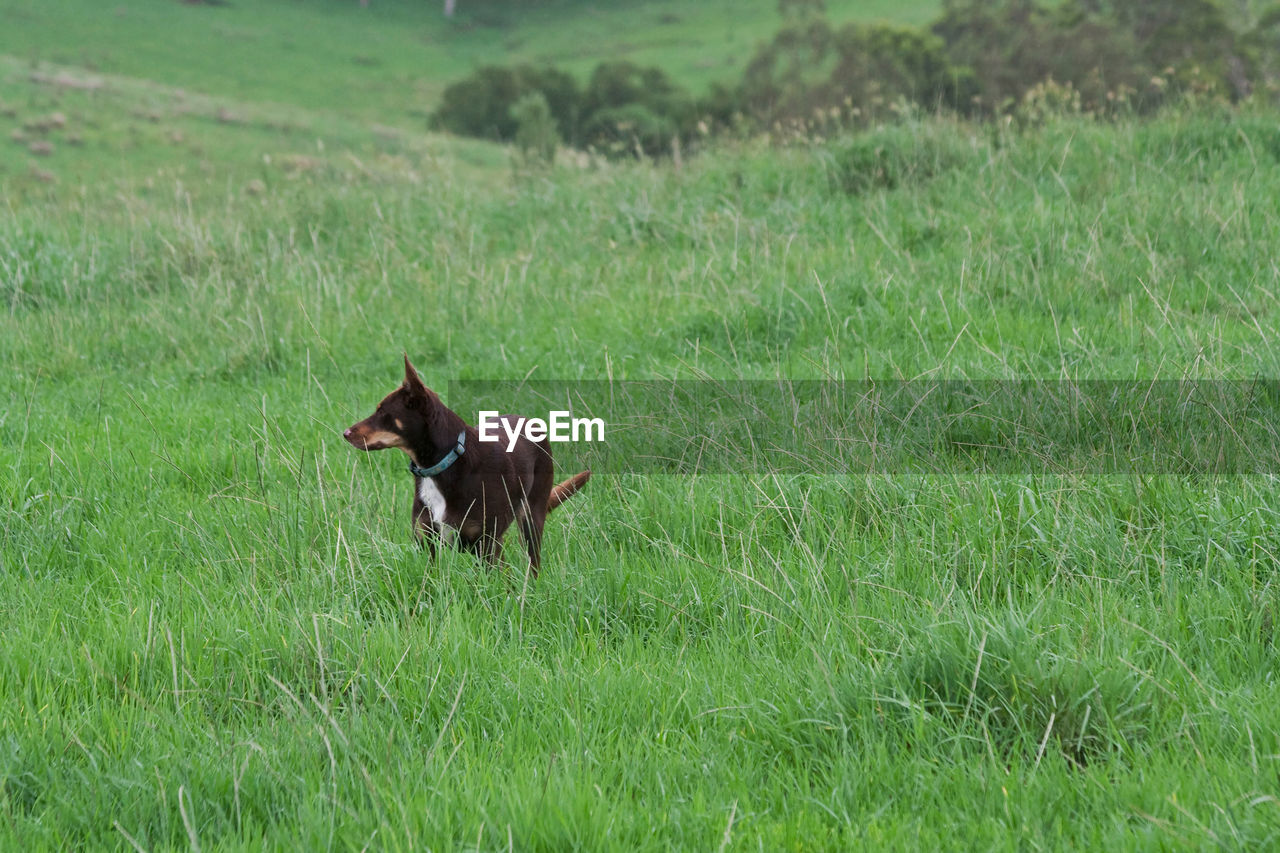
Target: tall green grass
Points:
x,y
217,634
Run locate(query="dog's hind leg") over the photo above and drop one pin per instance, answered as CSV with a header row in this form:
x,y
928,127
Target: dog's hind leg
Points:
x,y
531,522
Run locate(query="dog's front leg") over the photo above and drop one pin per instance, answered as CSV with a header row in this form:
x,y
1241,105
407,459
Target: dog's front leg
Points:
x,y
423,529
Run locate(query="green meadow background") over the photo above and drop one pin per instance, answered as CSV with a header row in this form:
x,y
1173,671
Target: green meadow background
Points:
x,y
220,227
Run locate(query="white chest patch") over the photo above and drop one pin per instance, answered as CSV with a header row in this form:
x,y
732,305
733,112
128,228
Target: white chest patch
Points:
x,y
429,494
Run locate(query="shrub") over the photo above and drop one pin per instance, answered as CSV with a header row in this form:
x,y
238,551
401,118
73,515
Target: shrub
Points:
x,y
881,64
1192,38
1168,33
1260,51
481,104
860,70
621,130
1012,45
563,94
1112,52
536,135
621,84
626,104
789,77
721,109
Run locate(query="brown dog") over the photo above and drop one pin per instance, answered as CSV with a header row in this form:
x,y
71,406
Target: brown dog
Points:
x,y
462,485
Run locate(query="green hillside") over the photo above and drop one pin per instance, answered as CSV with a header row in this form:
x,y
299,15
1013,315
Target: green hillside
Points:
x,y
388,62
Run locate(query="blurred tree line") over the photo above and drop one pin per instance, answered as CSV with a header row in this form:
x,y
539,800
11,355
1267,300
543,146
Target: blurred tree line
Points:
x,y
979,58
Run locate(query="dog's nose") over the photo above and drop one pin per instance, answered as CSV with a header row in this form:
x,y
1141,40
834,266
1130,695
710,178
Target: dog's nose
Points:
x,y
346,433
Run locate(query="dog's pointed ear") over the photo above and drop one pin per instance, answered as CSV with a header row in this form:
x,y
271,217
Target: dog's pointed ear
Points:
x,y
412,381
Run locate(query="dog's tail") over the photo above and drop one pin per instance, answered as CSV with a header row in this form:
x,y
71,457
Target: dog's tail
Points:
x,y
563,491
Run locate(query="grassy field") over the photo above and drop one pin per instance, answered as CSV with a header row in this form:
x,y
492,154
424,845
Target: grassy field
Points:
x,y
217,635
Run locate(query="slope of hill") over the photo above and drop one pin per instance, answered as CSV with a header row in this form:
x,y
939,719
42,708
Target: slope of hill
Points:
x,y
388,62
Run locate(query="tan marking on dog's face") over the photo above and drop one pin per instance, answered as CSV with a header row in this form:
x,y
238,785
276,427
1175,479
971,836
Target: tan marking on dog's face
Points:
x,y
373,439
385,439
399,424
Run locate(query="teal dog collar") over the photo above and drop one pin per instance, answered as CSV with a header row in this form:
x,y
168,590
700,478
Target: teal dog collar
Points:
x,y
450,458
